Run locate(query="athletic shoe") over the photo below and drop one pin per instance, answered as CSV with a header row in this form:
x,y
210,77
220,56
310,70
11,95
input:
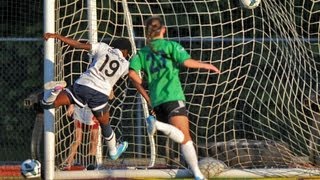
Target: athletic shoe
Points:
x,y
92,162
50,97
151,125
65,167
121,148
91,167
55,85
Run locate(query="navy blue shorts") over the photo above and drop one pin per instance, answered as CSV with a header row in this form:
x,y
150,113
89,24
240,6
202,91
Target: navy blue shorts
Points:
x,y
84,95
166,110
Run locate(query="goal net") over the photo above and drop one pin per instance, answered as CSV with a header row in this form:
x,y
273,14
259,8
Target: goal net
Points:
x,y
261,112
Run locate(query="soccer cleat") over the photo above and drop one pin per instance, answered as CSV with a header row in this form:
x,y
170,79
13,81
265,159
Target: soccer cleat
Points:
x,y
121,148
65,167
92,162
91,167
50,97
55,85
151,125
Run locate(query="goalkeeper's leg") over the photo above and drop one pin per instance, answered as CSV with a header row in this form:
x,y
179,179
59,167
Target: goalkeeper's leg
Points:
x,y
94,138
74,146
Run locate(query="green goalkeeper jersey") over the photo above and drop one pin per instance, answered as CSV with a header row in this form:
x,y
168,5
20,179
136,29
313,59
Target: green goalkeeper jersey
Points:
x,y
161,66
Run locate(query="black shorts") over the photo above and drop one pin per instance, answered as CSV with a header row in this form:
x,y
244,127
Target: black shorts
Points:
x,y
166,110
83,95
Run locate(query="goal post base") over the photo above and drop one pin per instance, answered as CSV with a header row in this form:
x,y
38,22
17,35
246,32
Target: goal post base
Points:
x,y
185,173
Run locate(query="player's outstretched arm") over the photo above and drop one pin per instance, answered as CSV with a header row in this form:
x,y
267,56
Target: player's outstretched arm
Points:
x,y
137,82
71,42
191,63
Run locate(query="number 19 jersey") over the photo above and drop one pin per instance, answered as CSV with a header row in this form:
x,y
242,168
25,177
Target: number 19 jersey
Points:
x,y
107,67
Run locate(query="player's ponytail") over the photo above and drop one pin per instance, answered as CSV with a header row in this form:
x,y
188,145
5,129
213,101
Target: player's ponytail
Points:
x,y
153,27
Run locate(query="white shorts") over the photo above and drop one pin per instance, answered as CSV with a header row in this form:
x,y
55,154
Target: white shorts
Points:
x,y
84,115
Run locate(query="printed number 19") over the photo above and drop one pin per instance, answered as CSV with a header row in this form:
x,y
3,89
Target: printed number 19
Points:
x,y
113,66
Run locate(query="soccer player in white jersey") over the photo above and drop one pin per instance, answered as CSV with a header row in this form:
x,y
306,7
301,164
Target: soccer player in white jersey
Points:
x,y
95,85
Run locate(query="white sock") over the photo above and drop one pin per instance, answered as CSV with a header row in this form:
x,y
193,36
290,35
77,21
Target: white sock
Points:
x,y
191,158
111,143
171,131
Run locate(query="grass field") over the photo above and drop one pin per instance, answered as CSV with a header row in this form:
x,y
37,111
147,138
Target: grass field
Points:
x,y
12,172
291,178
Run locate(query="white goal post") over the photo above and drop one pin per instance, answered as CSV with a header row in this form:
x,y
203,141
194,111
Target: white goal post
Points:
x,y
260,116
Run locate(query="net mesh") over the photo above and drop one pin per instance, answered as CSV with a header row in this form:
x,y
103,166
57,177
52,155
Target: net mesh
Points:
x,y
261,111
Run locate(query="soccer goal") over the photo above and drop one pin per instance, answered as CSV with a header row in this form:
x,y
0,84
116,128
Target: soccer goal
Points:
x,y
260,116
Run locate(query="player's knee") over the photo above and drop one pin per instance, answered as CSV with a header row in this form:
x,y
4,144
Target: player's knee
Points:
x,y
102,115
185,136
176,134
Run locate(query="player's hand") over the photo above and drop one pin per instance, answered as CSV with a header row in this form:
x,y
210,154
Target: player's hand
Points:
x,y
151,111
212,68
70,110
111,96
216,69
46,36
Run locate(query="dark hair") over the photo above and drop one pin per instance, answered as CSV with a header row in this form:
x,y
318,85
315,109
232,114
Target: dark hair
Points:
x,y
153,26
121,43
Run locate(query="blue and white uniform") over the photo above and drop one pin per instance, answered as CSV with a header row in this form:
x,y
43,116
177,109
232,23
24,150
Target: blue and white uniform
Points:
x,y
95,85
107,67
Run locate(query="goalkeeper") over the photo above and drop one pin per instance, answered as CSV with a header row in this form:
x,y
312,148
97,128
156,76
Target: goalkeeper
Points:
x,y
83,120
160,60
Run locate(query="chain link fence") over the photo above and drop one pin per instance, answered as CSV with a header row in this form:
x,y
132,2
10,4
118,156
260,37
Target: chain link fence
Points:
x,y
21,59
21,74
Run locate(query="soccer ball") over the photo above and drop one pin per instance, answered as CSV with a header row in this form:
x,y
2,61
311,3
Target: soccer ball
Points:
x,y
211,167
250,4
31,168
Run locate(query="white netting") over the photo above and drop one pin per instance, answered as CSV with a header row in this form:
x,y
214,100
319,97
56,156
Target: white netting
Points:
x,y
262,111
